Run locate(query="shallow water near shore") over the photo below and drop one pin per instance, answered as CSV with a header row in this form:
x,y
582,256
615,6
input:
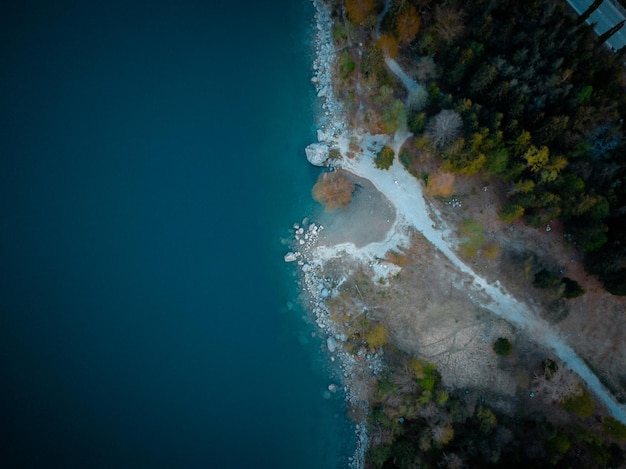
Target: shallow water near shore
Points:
x,y
152,161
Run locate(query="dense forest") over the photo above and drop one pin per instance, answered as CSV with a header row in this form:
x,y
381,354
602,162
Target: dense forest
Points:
x,y
416,423
521,91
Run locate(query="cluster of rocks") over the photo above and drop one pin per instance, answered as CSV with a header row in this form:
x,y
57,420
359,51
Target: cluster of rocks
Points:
x,y
305,239
317,289
331,123
454,202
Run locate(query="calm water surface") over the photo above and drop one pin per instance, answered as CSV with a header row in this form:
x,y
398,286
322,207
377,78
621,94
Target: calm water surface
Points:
x,y
151,159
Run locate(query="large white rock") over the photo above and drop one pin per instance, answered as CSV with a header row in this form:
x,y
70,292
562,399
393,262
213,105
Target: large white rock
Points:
x,y
317,153
331,343
291,257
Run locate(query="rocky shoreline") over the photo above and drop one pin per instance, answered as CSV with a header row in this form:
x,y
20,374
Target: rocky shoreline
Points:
x,y
316,289
314,286
331,121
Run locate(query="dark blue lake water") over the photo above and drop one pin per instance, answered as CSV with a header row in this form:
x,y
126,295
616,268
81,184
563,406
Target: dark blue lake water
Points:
x,y
151,159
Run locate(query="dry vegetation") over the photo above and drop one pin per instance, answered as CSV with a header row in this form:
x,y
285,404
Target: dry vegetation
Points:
x,y
333,190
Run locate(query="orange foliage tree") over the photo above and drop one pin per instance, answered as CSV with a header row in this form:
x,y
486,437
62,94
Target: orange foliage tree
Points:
x,y
389,45
409,22
359,10
333,190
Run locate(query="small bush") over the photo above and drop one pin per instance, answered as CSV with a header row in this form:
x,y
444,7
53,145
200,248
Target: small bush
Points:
x,y
384,158
431,378
393,116
417,122
376,337
560,443
491,251
427,383
503,347
333,190
346,64
486,420
549,368
572,288
473,232
582,405
385,388
442,397
409,161
416,367
510,212
614,428
545,279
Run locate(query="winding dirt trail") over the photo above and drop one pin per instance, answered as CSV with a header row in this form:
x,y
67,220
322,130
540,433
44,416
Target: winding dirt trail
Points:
x,y
405,193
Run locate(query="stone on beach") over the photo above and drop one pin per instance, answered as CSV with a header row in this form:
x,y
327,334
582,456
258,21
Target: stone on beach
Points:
x,y
331,343
317,153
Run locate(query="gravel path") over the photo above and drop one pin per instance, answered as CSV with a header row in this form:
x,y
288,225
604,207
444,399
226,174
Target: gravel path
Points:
x,y
405,193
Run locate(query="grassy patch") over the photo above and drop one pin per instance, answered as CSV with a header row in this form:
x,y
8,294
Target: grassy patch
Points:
x,y
440,184
376,337
581,405
614,428
491,251
397,258
473,231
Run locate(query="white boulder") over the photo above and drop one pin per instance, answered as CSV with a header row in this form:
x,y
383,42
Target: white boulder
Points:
x,y
331,343
317,153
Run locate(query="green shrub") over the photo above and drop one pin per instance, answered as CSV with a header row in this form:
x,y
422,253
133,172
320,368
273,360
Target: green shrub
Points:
x,y
545,279
417,122
376,337
503,347
427,383
386,387
582,405
474,232
510,212
572,288
407,160
549,368
560,443
346,64
431,378
416,367
378,455
614,428
486,420
393,116
384,158
442,397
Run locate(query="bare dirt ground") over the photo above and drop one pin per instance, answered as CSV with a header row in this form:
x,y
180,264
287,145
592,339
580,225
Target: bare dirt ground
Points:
x,y
428,314
593,324
345,223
